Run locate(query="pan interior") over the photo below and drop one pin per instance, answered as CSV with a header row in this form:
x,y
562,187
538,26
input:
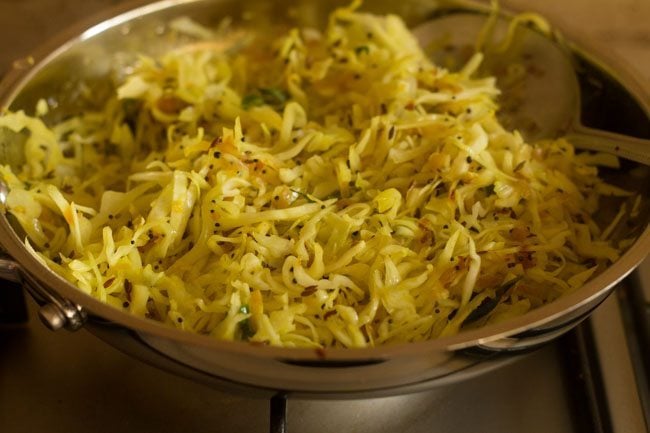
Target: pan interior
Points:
x,y
81,75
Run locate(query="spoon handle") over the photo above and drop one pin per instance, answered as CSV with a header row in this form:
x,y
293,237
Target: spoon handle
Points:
x,y
624,146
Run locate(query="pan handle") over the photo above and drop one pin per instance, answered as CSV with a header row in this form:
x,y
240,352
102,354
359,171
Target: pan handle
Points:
x,y
55,312
9,270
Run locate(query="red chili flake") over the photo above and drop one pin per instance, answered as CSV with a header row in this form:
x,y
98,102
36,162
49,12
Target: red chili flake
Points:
x,y
320,352
519,233
258,343
526,259
128,288
427,238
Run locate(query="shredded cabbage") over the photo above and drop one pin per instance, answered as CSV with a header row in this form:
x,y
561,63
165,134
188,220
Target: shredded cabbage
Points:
x,y
331,189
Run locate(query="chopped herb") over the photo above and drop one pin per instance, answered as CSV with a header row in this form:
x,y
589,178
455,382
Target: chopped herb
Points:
x,y
489,189
361,49
251,100
272,96
246,329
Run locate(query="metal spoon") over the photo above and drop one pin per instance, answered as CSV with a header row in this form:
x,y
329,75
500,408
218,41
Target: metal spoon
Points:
x,y
545,102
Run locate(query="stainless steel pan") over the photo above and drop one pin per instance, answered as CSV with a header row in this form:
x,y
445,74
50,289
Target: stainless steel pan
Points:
x,y
90,56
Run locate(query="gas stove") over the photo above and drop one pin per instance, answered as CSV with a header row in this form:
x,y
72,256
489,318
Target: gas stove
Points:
x,y
594,379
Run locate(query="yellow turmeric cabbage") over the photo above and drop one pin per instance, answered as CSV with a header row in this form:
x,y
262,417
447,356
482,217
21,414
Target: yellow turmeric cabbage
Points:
x,y
316,189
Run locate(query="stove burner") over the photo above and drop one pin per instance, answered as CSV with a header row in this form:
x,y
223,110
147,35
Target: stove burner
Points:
x,y
12,304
